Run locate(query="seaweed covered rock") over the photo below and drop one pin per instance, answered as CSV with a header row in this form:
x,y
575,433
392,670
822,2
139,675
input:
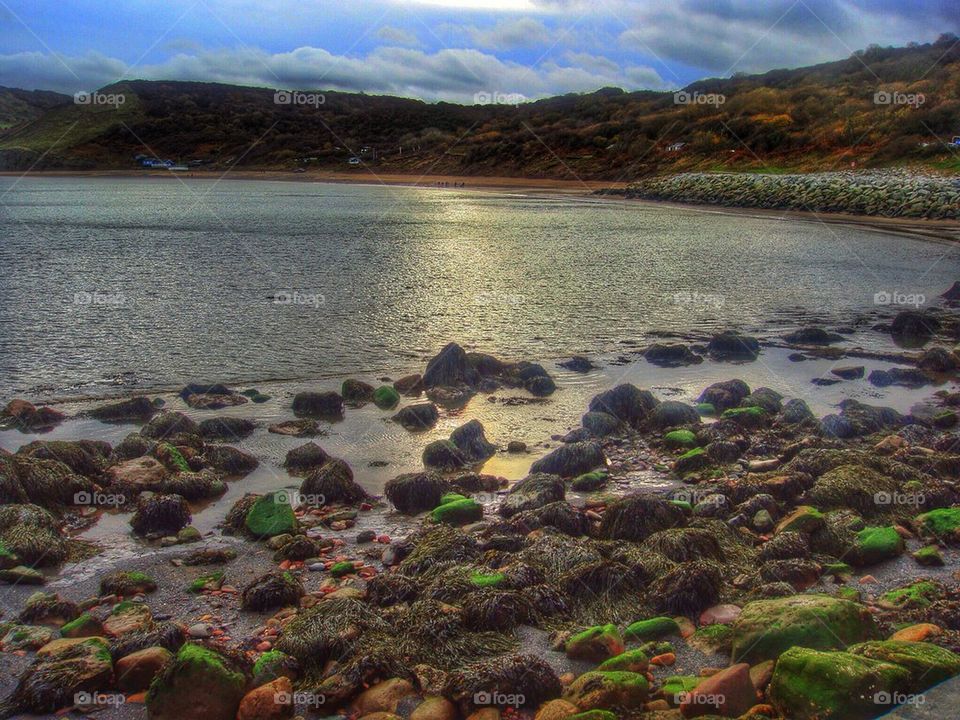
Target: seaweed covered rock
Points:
x,y
386,397
444,456
876,544
322,405
796,411
450,367
421,416
126,582
767,628
356,392
671,355
137,474
305,457
167,424
27,417
413,493
230,460
323,631
636,517
601,424
608,689
160,514
855,487
271,591
868,419
32,535
687,589
135,409
495,610
48,483
626,402
671,413
524,677
471,441
725,395
134,445
331,484
202,485
199,684
914,325
84,457
685,544
560,515
128,617
534,491
733,346
226,428
571,460
270,515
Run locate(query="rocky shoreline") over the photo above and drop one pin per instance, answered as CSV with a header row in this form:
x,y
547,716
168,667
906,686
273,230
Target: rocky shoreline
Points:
x,y
888,194
789,565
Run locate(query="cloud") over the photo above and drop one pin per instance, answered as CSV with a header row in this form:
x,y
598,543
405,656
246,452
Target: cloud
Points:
x,y
451,74
398,36
508,34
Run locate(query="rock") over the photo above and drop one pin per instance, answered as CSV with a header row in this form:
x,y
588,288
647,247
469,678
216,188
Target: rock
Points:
x,y
160,515
137,670
813,336
849,372
422,416
54,679
534,491
728,693
636,517
27,417
296,428
856,487
540,386
725,395
917,633
589,482
601,424
270,515
30,535
84,626
941,523
197,685
928,664
272,591
168,424
459,511
356,392
136,409
202,485
929,556
555,710
386,397
600,689
142,473
444,456
720,614
200,631
409,385
938,360
571,460
629,661
796,411
226,428
271,701
671,355
516,446
126,582
687,589
48,609
413,493
22,575
323,405
751,418
769,400
906,377
471,441
450,368
128,617
84,457
874,545
332,484
527,678
692,461
305,457
733,346
382,697
672,414
578,364
811,685
914,325
210,396
767,628
25,637
595,644
651,629
625,402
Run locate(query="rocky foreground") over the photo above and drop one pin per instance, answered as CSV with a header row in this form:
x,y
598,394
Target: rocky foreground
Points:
x,y
878,193
801,568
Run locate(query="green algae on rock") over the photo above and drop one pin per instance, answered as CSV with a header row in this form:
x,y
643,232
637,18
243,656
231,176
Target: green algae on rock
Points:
x,y
198,685
271,515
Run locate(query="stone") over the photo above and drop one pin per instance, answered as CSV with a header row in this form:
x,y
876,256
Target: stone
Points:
x,y
271,701
382,697
571,460
322,405
137,670
602,689
595,644
728,693
198,684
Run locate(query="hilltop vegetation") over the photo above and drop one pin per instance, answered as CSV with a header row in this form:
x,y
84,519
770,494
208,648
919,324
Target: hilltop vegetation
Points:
x,y
880,107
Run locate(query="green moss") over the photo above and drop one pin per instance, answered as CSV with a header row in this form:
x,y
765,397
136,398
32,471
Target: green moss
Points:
x,y
651,629
876,544
484,580
593,715
753,416
271,515
386,397
686,506
838,569
197,675
595,643
174,456
927,664
345,567
452,497
941,522
270,666
458,512
680,439
630,661
696,452
677,686
712,639
706,409
804,519
210,581
85,622
916,595
929,556
588,482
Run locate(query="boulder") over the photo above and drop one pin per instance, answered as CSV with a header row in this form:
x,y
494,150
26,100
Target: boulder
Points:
x,y
271,701
450,367
728,693
725,395
626,402
603,689
135,409
671,413
409,385
413,493
158,514
571,460
226,428
198,684
421,416
471,441
270,515
137,670
305,457
595,644
444,456
912,325
674,355
332,484
272,591
141,473
733,346
169,423
356,392
813,336
534,491
601,424
636,517
27,417
323,405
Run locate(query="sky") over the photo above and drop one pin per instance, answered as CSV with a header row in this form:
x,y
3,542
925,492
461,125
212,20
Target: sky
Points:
x,y
454,50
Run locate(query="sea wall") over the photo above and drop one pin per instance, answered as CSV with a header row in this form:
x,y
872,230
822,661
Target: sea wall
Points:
x,y
882,193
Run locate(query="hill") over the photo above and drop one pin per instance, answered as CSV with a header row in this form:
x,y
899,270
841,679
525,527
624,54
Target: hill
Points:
x,y
879,107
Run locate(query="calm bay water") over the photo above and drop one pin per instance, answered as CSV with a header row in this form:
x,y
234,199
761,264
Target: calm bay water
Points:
x,y
120,285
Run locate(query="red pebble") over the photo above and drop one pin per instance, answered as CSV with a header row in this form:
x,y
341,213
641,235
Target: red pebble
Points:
x,y
366,506
383,539
264,646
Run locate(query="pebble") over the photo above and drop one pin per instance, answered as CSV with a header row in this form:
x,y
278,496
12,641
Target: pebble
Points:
x,y
200,630
664,660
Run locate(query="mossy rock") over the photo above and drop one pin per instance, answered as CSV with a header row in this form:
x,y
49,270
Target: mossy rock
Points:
x,y
676,687
206,583
271,515
804,519
386,397
942,522
875,544
918,594
198,684
588,482
340,569
767,628
458,512
62,669
815,685
171,457
853,487
452,497
271,665
83,627
692,461
753,417
600,689
652,629
706,409
128,617
929,556
630,661
126,582
593,715
483,580
25,637
680,439
712,639
928,664
595,644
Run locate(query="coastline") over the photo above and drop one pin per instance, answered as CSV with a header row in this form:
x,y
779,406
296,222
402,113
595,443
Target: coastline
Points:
x,y
942,230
